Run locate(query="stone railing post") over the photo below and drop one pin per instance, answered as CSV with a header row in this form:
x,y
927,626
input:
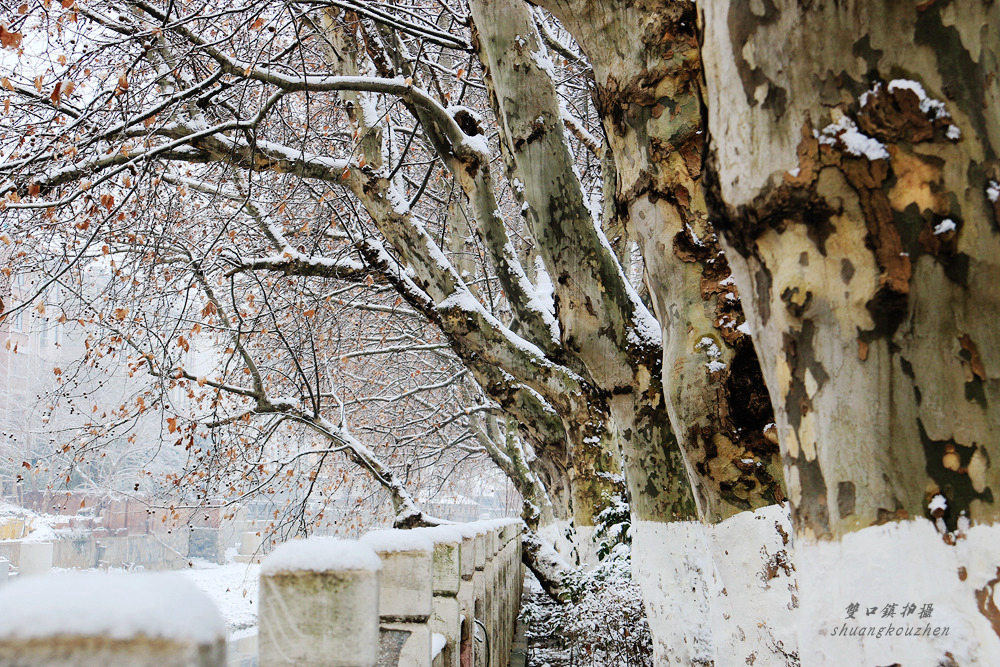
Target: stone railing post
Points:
x,y
251,547
445,618
479,580
319,604
467,593
489,613
92,619
502,585
406,598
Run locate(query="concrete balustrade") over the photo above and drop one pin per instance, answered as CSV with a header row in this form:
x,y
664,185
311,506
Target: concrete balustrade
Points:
x,y
467,593
35,557
319,604
408,598
89,619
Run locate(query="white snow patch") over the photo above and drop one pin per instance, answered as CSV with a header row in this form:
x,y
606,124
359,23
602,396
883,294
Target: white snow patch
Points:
x,y
744,328
993,191
852,139
946,225
938,502
478,144
930,106
391,540
116,605
438,642
232,587
901,563
437,534
711,349
321,554
544,62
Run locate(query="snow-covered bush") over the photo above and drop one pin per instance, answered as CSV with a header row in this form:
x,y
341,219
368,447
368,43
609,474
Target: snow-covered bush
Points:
x,y
603,622
612,525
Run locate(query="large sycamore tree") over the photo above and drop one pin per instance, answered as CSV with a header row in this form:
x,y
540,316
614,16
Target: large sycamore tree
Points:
x,y
853,167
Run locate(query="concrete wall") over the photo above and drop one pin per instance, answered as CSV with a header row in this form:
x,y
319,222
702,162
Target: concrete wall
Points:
x,y
151,551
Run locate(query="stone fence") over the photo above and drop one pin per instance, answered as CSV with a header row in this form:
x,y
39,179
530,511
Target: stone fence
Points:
x,y
428,597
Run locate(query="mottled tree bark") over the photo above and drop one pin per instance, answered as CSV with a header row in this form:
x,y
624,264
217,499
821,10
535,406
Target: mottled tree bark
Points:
x,y
602,322
853,171
645,58
647,71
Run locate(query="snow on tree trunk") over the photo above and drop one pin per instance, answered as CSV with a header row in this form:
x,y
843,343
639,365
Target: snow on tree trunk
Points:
x,y
853,169
732,584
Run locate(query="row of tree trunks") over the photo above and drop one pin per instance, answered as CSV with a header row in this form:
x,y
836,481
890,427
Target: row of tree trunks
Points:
x,y
602,322
646,68
853,169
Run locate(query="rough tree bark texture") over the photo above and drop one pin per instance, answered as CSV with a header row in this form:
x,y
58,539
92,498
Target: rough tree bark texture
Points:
x,y
646,69
854,172
602,322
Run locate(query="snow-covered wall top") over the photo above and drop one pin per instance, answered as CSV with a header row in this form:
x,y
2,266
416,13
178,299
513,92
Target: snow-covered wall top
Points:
x,y
114,605
321,554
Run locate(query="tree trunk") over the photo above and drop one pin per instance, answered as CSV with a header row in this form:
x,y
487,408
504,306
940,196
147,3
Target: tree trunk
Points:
x,y
854,172
647,71
602,322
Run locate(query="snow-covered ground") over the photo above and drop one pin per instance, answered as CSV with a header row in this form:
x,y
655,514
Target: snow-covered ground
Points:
x,y
232,587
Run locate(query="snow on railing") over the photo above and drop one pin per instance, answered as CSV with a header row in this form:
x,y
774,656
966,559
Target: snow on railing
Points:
x,y
446,596
91,618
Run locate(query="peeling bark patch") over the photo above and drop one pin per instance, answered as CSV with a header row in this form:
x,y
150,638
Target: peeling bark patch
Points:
x,y
975,387
537,131
888,310
781,531
863,49
763,283
966,78
846,270
896,115
775,206
778,562
970,354
811,511
801,358
845,499
795,301
986,601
